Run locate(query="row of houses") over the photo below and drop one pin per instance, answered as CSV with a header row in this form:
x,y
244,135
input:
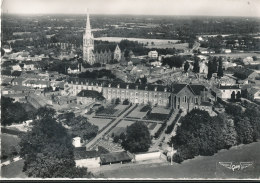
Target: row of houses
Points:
x,y
177,96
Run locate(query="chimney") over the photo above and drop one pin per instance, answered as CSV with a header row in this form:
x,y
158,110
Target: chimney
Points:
x,y
109,85
136,87
146,88
127,86
155,89
118,86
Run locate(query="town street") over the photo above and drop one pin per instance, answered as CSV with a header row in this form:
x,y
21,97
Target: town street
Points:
x,y
101,134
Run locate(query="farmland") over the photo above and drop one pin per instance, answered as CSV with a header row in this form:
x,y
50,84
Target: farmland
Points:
x,y
152,43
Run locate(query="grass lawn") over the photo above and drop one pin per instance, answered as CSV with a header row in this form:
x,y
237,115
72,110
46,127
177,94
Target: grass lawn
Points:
x,y
120,127
100,122
109,110
199,167
14,170
8,142
161,110
136,113
157,116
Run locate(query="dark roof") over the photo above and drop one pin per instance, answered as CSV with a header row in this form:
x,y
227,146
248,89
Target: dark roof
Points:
x,y
226,87
205,104
176,88
115,157
133,86
17,73
198,88
90,93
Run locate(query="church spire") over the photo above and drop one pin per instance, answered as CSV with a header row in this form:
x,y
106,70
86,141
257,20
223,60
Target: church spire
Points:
x,y
88,28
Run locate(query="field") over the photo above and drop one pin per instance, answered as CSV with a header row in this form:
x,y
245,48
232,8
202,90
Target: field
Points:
x,y
199,167
100,122
160,110
157,43
14,170
120,127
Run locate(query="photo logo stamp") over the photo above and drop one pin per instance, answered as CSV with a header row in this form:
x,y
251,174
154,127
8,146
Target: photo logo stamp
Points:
x,y
236,166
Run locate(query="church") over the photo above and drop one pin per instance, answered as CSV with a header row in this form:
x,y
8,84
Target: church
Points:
x,y
90,55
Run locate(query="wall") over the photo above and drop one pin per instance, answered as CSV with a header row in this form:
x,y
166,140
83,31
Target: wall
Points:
x,y
147,156
89,163
226,94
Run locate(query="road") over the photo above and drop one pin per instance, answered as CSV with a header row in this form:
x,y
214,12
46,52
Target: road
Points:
x,y
101,134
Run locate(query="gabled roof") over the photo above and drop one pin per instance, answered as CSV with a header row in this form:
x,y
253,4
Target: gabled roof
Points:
x,y
195,89
115,157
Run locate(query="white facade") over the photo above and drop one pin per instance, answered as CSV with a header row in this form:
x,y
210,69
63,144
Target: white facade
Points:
x,y
147,156
88,44
89,163
153,54
76,142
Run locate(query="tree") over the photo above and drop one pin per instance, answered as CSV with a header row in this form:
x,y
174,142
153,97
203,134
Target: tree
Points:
x,y
210,70
254,58
186,66
126,102
47,151
174,61
196,67
233,95
220,68
137,139
215,65
12,112
117,101
238,96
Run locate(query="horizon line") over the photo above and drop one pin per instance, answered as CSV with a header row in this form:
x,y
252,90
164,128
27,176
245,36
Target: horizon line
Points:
x,y
114,14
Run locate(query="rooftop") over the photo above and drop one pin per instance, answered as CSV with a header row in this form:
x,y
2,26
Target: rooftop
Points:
x,y
90,93
115,157
231,87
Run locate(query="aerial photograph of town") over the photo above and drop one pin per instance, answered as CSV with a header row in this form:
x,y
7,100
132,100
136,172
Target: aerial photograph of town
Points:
x,y
130,89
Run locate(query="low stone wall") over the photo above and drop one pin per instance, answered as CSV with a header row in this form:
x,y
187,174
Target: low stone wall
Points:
x,y
147,156
89,163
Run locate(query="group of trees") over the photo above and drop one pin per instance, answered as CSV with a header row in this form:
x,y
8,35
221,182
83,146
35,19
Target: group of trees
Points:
x,y
12,112
201,134
215,66
79,126
47,149
98,74
174,61
137,138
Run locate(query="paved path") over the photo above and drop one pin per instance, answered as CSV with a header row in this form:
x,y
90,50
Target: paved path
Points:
x,y
101,134
157,142
9,162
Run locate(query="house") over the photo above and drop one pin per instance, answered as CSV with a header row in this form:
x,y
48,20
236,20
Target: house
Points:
x,y
153,54
243,74
16,67
227,90
36,83
253,94
188,96
86,97
115,157
226,51
90,159
18,81
156,63
203,68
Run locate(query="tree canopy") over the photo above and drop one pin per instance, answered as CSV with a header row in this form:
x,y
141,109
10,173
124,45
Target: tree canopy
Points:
x,y
137,138
48,151
12,112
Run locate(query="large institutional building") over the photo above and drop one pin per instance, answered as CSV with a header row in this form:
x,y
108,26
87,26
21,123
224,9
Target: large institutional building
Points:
x,y
176,96
90,56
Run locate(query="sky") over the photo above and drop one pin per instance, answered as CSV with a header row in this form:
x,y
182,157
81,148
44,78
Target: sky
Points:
x,y
144,7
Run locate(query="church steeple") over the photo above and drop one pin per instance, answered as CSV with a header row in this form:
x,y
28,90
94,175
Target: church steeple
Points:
x,y
88,28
